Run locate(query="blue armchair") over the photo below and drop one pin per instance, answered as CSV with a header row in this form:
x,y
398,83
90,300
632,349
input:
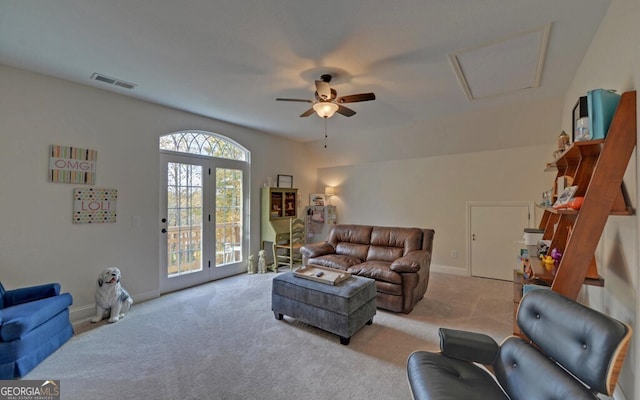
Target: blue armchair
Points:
x,y
34,322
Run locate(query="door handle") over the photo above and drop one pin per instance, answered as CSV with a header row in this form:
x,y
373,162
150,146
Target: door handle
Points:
x,y
164,230
164,220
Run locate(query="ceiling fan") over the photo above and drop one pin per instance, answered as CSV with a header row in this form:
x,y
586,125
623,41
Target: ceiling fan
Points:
x,y
327,102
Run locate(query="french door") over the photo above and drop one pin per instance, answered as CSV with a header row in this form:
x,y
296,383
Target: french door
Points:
x,y
204,231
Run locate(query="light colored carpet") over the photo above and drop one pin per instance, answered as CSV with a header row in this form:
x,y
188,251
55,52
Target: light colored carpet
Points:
x,y
221,341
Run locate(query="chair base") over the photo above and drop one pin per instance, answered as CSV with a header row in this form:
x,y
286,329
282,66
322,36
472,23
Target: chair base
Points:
x,y
34,347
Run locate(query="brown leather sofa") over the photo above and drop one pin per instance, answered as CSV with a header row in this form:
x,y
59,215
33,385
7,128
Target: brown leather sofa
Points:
x,y
397,258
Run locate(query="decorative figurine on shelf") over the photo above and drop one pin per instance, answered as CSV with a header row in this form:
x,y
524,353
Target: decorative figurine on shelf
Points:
x,y
543,249
251,268
262,263
549,262
564,141
556,255
527,268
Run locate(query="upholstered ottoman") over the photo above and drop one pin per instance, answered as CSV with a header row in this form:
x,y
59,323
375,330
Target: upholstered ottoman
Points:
x,y
341,309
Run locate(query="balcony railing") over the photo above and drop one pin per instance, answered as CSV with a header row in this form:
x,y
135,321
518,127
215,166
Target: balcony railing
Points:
x,y
184,247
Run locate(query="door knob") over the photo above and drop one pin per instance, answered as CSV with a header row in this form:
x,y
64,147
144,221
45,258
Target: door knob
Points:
x,y
164,230
164,220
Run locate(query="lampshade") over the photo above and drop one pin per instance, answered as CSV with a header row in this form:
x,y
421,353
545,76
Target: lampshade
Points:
x,y
330,190
325,109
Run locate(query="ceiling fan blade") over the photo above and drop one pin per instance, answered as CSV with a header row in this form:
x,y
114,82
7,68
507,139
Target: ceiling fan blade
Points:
x,y
308,112
354,98
323,89
301,100
347,112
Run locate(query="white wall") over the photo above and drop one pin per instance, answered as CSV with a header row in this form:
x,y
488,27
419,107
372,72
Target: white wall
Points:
x,y
613,62
396,180
432,192
38,242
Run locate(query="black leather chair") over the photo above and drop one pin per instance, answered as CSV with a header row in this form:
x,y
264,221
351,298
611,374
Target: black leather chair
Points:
x,y
574,352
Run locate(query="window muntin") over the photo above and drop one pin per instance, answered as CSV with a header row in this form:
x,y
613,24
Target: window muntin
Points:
x,y
204,143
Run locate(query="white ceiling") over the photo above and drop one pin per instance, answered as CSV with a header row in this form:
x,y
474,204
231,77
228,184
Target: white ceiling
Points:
x,y
230,59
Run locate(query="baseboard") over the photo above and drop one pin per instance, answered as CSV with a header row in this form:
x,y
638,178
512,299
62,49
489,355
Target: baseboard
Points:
x,y
449,270
80,314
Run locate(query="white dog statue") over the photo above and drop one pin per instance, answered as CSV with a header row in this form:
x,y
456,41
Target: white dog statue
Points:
x,y
262,262
251,267
111,298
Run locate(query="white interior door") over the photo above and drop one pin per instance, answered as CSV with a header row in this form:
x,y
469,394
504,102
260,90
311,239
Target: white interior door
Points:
x,y
495,232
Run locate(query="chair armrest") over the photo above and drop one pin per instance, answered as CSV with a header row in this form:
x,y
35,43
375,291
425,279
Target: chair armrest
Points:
x,y
411,262
312,250
32,293
23,318
468,346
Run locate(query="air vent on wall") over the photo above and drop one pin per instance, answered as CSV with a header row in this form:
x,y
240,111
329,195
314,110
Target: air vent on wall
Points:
x,y
112,81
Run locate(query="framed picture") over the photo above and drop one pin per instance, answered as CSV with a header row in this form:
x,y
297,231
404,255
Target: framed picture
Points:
x,y
317,199
564,197
285,181
69,164
580,110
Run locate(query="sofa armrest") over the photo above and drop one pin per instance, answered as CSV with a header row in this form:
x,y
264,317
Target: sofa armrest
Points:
x,y
32,293
468,346
411,262
312,250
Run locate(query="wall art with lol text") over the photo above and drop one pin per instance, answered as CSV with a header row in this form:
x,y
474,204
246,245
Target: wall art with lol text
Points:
x,y
94,206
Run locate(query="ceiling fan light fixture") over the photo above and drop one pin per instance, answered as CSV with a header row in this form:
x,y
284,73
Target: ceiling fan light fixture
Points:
x,y
325,109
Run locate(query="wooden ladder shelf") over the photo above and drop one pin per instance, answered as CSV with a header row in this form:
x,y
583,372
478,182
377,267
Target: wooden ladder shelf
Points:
x,y
604,196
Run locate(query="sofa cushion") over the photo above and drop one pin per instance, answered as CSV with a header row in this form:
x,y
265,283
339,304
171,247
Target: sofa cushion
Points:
x,y
408,239
350,233
311,250
351,240
384,253
378,270
355,250
335,261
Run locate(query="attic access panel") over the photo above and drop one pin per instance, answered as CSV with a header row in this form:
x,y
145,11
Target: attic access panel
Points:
x,y
502,67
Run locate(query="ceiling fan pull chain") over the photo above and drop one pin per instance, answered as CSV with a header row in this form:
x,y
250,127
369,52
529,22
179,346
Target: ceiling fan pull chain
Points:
x,y
325,132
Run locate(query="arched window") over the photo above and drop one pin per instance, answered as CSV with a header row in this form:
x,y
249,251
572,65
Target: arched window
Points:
x,y
205,144
205,201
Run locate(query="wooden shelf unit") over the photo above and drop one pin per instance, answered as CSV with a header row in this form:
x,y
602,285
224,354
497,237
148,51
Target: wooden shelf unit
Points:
x,y
597,168
278,205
